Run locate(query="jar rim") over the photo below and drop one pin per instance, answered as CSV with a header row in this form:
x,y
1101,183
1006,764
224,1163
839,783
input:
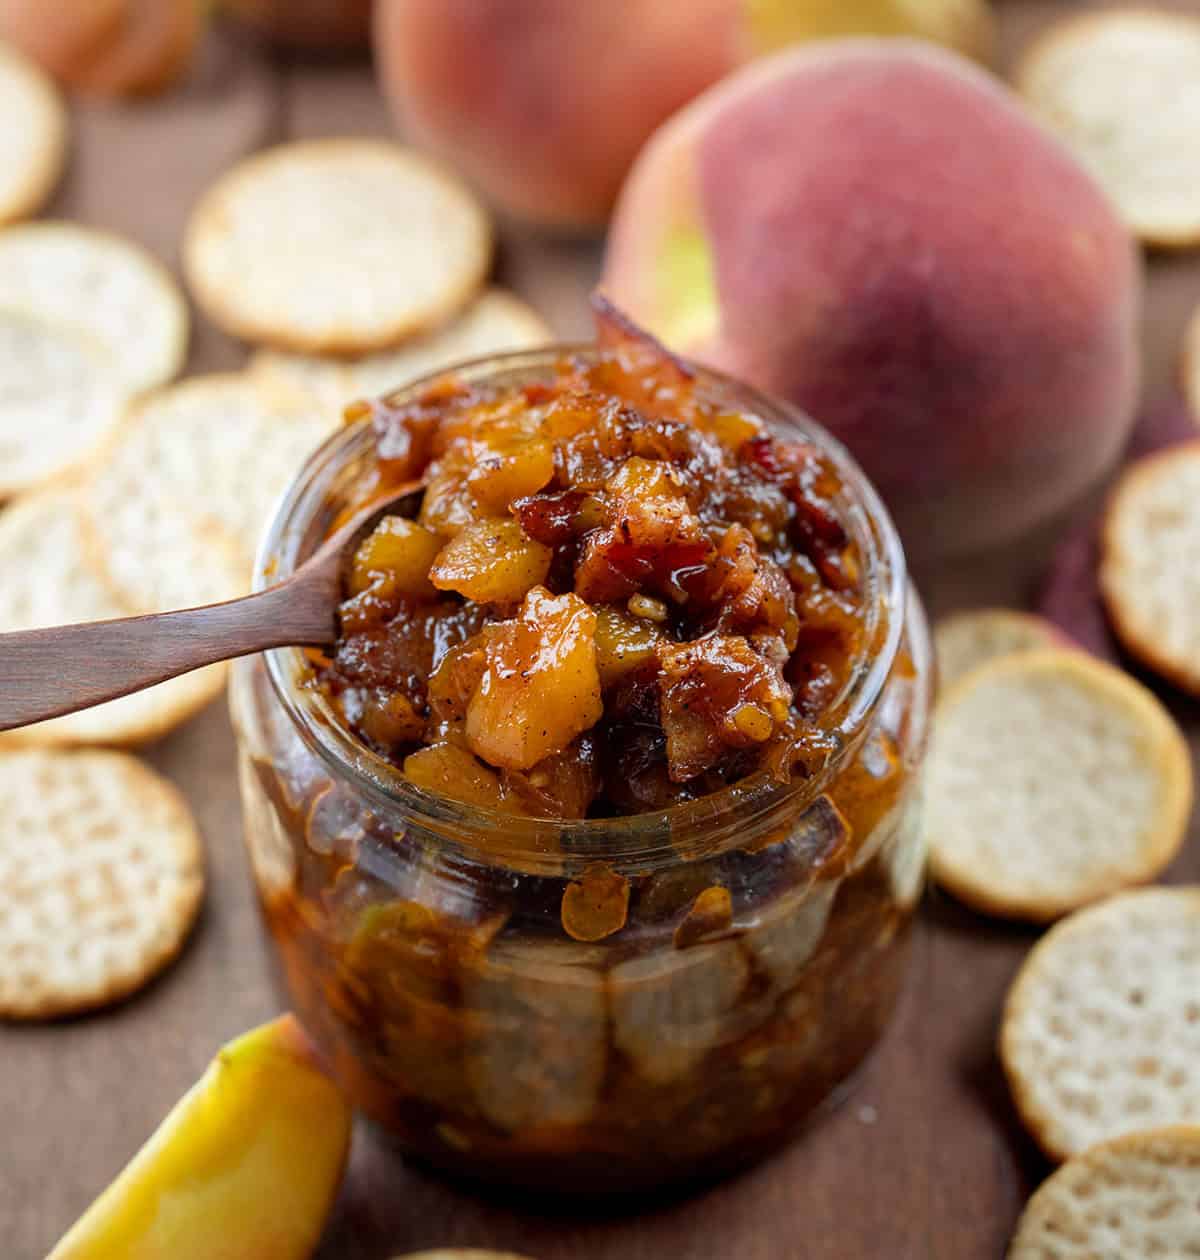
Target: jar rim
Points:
x,y
720,817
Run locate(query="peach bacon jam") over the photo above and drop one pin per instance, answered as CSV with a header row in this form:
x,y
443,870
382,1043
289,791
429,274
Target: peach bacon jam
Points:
x,y
589,848
618,594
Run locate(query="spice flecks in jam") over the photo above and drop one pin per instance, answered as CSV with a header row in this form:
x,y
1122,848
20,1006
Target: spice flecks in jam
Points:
x,y
619,594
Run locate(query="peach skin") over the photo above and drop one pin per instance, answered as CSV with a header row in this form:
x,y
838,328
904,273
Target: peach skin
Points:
x,y
107,47
544,103
877,232
246,1164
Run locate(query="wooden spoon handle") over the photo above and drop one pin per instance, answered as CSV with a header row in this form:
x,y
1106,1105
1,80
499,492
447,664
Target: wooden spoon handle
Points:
x,y
46,673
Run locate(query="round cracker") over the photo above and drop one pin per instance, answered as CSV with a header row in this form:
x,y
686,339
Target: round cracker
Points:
x,y
967,640
33,136
1053,779
495,322
335,246
106,288
47,580
60,401
1134,1196
101,878
1101,1030
1189,368
1148,578
175,509
1122,89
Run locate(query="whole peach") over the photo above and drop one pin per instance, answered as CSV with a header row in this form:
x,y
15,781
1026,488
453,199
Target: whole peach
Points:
x,y
313,25
877,232
544,103
106,47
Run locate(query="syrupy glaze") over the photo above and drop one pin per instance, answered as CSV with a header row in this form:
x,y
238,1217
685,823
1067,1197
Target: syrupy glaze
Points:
x,y
637,998
619,594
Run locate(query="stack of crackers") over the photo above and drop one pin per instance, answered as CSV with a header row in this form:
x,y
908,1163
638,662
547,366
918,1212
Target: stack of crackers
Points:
x,y
351,267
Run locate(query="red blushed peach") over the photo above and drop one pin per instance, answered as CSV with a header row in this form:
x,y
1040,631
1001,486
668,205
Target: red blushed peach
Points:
x,y
544,103
106,47
313,25
877,232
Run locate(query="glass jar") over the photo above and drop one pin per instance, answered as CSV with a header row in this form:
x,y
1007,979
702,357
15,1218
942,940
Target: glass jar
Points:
x,y
751,944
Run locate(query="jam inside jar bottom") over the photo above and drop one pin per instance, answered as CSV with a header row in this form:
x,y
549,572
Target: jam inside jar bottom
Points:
x,y
458,1013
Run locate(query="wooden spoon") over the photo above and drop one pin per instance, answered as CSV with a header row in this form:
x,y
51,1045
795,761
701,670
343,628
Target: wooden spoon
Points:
x,y
61,669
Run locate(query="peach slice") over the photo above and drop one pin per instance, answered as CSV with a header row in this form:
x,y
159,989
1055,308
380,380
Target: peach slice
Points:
x,y
246,1164
540,685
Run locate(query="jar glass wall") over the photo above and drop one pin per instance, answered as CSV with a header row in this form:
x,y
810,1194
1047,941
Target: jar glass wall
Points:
x,y
598,1005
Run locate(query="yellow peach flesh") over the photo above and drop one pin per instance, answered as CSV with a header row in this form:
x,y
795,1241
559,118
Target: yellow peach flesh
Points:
x,y
246,1164
540,687
965,25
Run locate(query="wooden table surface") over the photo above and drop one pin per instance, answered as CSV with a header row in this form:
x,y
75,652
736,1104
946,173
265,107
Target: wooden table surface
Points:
x,y
926,1160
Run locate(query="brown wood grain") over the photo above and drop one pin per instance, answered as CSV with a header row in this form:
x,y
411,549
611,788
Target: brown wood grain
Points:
x,y
925,1161
61,669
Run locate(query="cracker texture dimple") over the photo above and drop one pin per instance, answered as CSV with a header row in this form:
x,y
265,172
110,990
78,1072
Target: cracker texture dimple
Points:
x,y
101,878
494,322
1122,90
1135,1198
1149,577
967,640
335,246
176,508
46,579
1101,1030
104,288
33,136
1053,779
60,401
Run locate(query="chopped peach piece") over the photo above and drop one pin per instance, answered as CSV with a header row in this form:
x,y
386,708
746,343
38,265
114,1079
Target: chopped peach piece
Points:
x,y
453,683
395,558
648,505
540,687
246,1164
562,785
452,771
623,643
491,562
448,505
510,470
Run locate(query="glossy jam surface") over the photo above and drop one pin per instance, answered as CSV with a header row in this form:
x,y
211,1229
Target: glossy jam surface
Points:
x,y
619,594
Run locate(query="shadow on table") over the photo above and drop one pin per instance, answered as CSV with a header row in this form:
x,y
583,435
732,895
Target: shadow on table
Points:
x,y
390,1206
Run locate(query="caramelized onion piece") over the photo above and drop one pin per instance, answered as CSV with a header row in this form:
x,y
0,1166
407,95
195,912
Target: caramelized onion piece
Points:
x,y
710,916
596,904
